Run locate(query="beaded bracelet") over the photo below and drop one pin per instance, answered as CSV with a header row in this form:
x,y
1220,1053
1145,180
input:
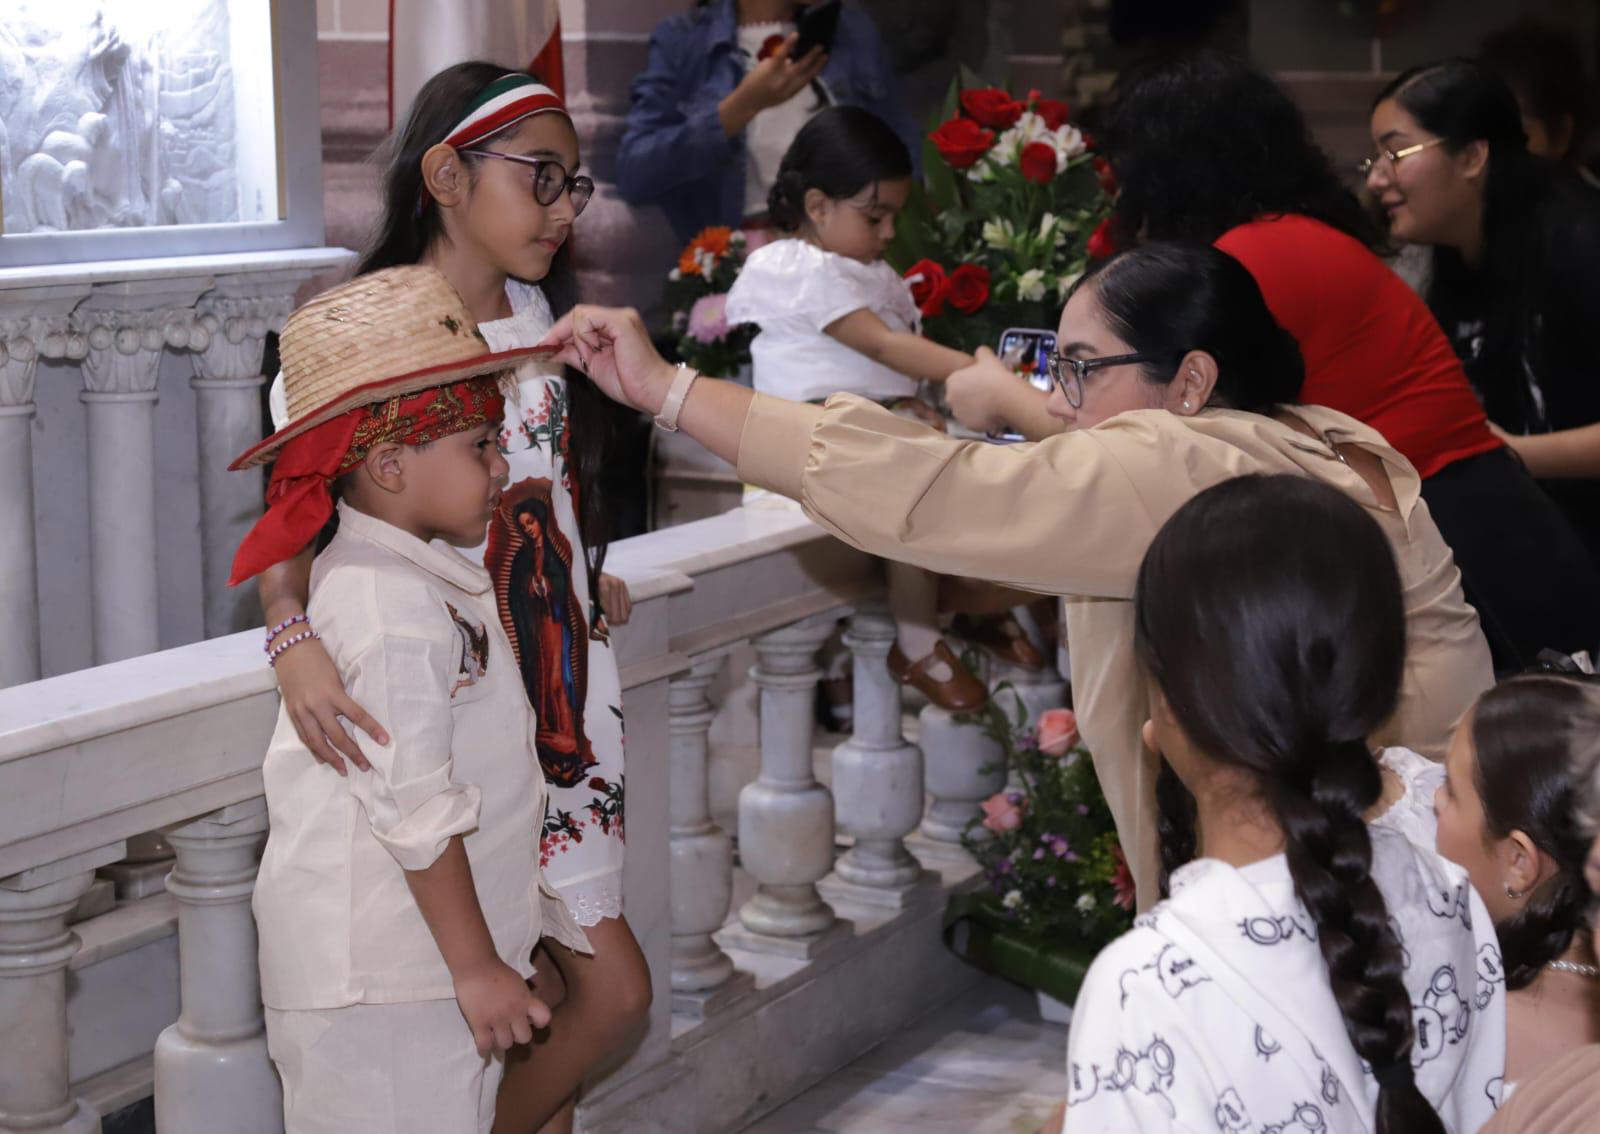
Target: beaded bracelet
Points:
x,y
293,640
280,628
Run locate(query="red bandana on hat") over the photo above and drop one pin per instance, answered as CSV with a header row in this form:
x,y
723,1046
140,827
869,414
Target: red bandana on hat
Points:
x,y
298,498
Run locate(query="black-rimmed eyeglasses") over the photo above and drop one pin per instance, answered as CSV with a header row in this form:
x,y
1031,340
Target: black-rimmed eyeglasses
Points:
x,y
550,179
1070,373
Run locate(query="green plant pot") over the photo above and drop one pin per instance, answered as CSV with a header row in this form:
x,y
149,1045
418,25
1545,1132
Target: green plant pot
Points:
x,y
980,934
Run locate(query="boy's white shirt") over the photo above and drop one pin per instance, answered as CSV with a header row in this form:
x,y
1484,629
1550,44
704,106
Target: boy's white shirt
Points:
x,y
415,633
1214,1013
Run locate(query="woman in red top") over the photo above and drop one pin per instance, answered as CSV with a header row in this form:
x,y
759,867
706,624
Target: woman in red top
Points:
x,y
1206,149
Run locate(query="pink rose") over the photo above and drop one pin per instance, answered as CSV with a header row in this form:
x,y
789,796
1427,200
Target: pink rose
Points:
x,y
1058,731
1001,813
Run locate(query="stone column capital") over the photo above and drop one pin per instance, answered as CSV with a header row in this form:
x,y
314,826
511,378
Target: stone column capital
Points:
x,y
230,334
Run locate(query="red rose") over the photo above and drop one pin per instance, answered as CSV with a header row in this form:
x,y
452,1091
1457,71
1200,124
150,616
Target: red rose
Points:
x,y
961,142
928,283
1101,242
991,107
1108,179
1038,161
968,289
1053,111
770,46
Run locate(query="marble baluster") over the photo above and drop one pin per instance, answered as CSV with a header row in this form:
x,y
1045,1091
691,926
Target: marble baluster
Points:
x,y
227,343
35,948
962,768
786,816
211,1067
703,978
37,333
877,775
128,327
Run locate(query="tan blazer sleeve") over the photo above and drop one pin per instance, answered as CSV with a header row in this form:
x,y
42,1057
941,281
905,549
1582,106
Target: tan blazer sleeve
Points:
x,y
1057,517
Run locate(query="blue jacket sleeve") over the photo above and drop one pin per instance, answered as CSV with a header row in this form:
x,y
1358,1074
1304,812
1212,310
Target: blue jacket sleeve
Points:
x,y
671,137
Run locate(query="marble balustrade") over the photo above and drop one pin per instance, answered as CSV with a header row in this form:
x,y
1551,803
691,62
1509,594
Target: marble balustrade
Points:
x,y
171,742
108,329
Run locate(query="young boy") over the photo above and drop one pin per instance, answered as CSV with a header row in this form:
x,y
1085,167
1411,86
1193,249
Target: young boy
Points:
x,y
398,918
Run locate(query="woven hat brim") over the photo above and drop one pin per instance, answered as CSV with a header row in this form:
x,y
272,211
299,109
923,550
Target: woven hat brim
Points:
x,y
408,383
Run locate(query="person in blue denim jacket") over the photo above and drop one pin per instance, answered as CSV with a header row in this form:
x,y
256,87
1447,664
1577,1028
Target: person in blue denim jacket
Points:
x,y
684,145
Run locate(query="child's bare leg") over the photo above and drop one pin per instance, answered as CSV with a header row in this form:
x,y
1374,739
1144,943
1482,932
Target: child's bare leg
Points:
x,y
607,1001
914,606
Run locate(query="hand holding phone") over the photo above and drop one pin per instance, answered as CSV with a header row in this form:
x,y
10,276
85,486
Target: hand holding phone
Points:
x,y
1026,352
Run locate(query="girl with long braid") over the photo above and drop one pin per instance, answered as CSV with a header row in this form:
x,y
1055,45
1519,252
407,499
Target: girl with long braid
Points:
x,y
1308,973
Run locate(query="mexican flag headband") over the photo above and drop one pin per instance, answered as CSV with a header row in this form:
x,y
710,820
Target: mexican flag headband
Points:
x,y
503,103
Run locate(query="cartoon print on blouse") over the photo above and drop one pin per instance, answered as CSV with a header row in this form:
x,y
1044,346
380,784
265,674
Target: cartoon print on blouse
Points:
x,y
474,640
1230,1112
1442,1019
1266,1046
1276,930
1495,1089
1451,903
531,562
1491,974
1148,1072
1331,1090
1306,1119
1174,970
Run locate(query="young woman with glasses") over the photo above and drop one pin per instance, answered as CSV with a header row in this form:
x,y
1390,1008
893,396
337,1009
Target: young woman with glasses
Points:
x,y
1187,381
1207,149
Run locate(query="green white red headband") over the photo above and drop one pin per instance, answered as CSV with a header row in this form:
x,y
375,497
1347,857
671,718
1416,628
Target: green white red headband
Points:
x,y
504,103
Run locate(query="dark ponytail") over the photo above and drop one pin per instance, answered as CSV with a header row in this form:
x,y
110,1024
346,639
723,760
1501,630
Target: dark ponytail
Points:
x,y
1165,300
411,223
1529,733
840,151
1268,612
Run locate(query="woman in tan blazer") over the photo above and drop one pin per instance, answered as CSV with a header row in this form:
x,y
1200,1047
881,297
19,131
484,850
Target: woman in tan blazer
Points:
x,y
1171,376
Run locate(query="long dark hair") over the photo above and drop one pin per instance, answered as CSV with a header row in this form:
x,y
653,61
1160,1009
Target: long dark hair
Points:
x,y
1462,102
1201,142
1166,299
1268,611
410,224
1528,732
840,151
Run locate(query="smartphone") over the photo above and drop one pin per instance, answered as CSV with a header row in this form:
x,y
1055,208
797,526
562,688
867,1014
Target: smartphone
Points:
x,y
1026,350
817,26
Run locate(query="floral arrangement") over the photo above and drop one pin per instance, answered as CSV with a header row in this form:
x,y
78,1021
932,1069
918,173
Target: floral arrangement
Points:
x,y
1048,846
697,295
1014,206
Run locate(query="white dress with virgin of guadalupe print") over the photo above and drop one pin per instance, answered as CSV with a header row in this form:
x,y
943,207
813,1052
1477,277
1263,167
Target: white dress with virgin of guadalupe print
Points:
x,y
539,564
1214,1012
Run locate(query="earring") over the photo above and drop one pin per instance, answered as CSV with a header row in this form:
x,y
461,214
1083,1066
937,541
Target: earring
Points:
x,y
1186,403
1515,894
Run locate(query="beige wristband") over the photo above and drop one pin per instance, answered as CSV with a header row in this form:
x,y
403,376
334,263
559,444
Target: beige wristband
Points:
x,y
667,419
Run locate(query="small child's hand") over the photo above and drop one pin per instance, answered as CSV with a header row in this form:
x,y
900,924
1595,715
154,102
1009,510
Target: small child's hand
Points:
x,y
499,1007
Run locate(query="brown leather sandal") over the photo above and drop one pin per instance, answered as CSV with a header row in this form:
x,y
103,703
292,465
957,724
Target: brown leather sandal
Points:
x,y
961,693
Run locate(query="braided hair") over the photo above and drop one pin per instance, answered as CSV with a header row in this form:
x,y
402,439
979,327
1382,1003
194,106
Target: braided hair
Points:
x,y
1269,614
1528,732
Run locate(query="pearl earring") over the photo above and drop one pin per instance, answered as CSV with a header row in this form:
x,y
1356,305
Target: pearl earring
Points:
x,y
1186,403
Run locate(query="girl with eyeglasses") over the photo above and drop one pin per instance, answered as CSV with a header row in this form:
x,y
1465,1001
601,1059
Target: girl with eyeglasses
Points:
x,y
1514,246
1206,148
483,182
1203,390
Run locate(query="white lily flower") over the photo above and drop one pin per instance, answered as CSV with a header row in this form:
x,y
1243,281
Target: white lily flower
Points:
x,y
1030,285
1012,900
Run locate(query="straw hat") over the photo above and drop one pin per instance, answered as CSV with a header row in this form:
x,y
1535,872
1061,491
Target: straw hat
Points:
x,y
379,336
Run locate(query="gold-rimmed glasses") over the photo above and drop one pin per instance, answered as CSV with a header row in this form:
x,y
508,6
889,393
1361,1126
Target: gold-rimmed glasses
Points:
x,y
1367,164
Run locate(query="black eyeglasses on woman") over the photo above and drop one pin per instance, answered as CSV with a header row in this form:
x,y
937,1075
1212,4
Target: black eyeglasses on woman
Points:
x,y
550,179
1070,373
